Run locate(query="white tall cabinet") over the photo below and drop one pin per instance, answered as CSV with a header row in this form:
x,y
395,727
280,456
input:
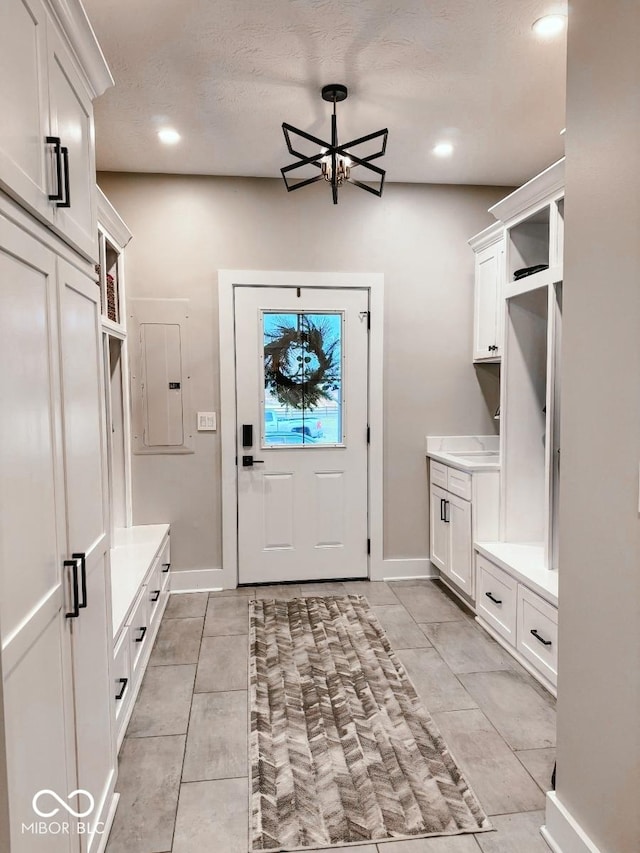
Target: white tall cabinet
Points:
x,y
55,611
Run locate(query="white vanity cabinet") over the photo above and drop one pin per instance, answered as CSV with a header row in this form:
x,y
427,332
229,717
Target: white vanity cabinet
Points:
x,y
463,506
488,304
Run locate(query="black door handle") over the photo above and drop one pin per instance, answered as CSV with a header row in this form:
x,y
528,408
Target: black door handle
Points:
x,y
166,567
83,577
495,600
155,592
73,564
67,193
249,461
539,638
143,631
124,682
55,141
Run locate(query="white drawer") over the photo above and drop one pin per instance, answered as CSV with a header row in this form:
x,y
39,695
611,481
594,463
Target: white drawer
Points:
x,y
538,633
496,598
459,483
122,673
438,474
154,593
138,629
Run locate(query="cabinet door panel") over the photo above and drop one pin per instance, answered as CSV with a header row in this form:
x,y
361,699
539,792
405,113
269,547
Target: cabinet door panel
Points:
x,y
487,289
24,104
92,643
460,569
72,121
82,401
439,530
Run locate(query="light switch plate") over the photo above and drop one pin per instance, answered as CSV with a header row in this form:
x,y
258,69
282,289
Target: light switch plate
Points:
x,y
207,422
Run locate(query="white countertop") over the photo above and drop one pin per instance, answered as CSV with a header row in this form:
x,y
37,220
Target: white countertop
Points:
x,y
465,452
525,563
131,558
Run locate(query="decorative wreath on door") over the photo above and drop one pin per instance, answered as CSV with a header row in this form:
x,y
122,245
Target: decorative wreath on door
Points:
x,y
302,364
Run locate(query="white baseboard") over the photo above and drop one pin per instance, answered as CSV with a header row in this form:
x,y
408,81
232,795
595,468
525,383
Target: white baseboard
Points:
x,y
197,580
562,832
405,569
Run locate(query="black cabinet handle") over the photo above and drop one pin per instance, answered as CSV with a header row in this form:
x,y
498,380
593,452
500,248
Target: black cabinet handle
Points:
x,y
441,509
124,682
73,564
143,631
166,567
156,593
495,600
539,638
447,516
67,194
83,577
55,141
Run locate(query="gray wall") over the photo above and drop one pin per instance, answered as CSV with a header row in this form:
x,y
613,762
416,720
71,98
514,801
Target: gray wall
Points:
x,y
599,642
186,228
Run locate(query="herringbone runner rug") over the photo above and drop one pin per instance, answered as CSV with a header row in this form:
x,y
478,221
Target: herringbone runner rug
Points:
x,y
342,750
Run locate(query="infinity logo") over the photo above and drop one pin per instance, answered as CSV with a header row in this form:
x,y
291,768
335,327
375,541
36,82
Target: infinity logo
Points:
x,y
64,805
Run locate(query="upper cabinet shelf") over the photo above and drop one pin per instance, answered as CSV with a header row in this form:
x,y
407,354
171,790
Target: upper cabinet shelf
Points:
x,y
113,236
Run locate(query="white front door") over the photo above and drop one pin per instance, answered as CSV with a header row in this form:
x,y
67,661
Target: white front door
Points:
x,y
302,404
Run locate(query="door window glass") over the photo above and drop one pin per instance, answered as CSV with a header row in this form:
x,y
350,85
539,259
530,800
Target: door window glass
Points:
x,y
303,393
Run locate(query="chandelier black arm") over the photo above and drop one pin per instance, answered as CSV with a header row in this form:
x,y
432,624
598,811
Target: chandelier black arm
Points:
x,y
342,149
368,188
288,127
304,183
363,161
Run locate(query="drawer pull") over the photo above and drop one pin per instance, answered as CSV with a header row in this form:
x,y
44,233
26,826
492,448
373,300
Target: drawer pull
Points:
x,y
155,595
143,631
539,638
166,567
123,682
495,600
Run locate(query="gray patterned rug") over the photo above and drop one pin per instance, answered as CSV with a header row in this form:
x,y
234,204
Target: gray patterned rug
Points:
x,y
342,750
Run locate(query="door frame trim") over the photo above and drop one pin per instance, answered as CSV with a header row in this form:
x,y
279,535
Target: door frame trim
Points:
x,y
227,281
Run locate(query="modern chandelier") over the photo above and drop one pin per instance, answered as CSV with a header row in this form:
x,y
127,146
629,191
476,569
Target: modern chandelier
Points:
x,y
335,162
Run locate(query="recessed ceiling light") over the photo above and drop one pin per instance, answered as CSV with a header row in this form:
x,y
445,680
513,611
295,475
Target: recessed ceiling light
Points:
x,y
169,136
549,25
443,149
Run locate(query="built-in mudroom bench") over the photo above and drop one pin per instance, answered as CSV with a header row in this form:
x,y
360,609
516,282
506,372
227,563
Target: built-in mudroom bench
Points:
x,y
140,571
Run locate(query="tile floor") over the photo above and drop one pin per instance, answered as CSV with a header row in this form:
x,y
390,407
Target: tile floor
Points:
x,y
183,777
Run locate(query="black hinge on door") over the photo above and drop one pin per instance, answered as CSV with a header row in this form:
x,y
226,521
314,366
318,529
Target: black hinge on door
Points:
x,y
368,434
368,546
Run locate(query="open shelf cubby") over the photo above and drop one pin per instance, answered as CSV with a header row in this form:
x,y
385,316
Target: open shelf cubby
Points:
x,y
529,242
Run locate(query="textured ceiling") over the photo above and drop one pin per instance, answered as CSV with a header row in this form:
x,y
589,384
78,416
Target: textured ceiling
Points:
x,y
227,73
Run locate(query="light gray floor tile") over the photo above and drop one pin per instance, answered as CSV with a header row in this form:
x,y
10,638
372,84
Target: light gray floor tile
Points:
x,y
516,833
148,784
466,648
311,590
227,615
285,592
164,702
223,664
182,604
247,591
178,641
367,848
539,763
435,684
217,739
429,603
499,780
521,715
213,816
376,592
444,844
402,631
